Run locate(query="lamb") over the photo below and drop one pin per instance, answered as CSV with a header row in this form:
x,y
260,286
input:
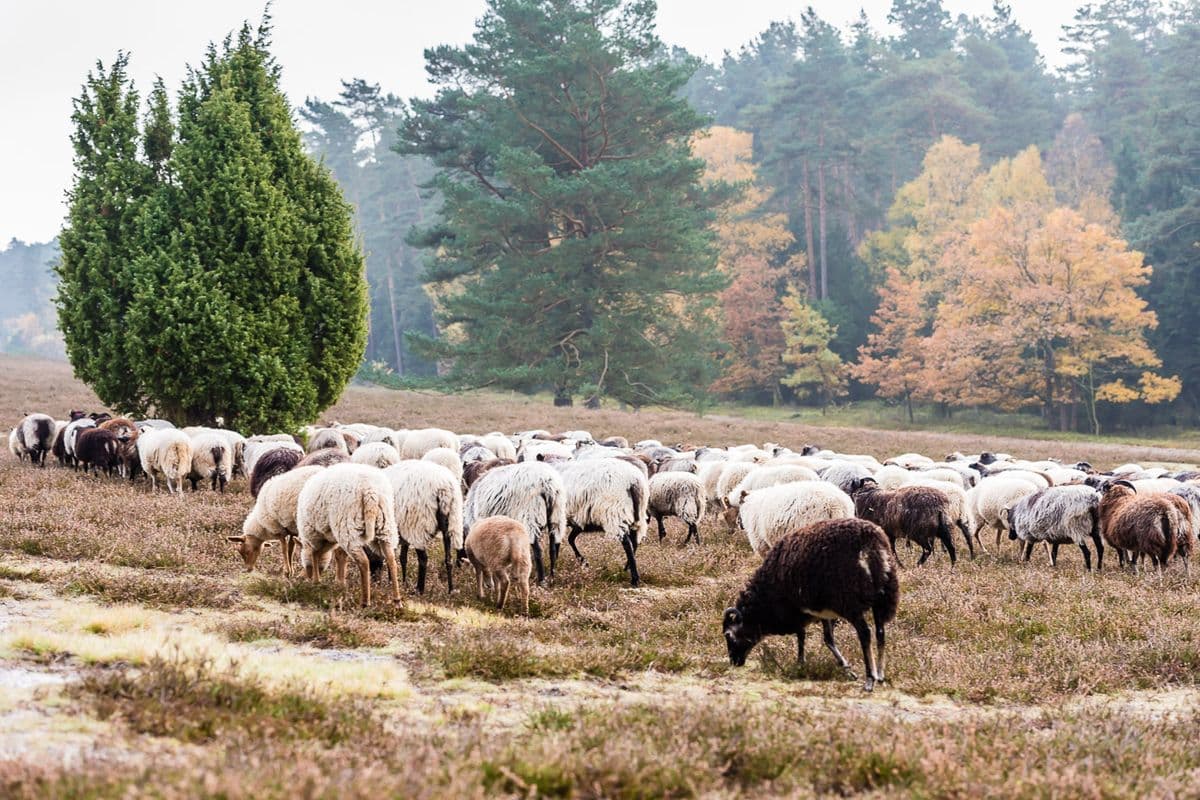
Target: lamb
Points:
x,y
378,454
529,492
447,458
770,514
1059,515
349,506
843,568
498,548
1138,525
274,517
919,513
212,460
166,452
607,495
988,499
419,442
677,494
272,462
36,434
427,502
330,438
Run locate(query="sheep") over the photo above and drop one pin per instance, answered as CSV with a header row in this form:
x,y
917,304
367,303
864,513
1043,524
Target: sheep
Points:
x,y
60,447
607,495
378,454
212,460
168,452
1139,525
257,449
419,442
614,441
325,457
908,460
988,499
330,438
498,548
770,514
919,513
474,470
677,494
766,476
36,434
709,474
960,513
1059,515
1191,496
351,507
127,433
98,449
499,444
445,457
274,516
730,476
829,570
474,452
427,501
530,492
843,474
16,445
272,462
144,424
71,437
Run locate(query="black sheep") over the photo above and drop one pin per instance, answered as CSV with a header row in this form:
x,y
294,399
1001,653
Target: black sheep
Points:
x,y
271,463
839,568
98,449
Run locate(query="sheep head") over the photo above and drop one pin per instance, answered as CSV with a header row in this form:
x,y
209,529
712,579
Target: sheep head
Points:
x,y
740,637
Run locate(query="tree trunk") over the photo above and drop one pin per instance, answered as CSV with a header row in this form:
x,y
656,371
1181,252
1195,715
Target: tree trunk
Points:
x,y
821,207
391,290
908,405
562,397
847,195
809,250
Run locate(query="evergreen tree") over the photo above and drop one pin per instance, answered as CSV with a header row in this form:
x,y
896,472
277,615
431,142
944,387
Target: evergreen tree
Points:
x,y
237,290
574,245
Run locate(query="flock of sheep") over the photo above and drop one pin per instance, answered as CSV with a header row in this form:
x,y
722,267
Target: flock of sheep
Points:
x,y
825,523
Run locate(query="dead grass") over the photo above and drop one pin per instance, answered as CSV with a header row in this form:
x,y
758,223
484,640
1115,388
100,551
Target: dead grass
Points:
x,y
602,691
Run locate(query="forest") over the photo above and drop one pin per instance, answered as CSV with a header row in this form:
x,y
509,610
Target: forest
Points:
x,y
931,216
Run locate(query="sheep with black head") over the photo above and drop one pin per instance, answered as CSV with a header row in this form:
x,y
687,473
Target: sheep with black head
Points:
x,y
836,569
921,514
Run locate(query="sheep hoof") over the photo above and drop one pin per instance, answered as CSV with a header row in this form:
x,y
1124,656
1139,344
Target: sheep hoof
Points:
x,y
851,674
869,685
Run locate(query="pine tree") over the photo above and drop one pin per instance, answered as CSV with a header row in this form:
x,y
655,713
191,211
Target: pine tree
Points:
x,y
573,220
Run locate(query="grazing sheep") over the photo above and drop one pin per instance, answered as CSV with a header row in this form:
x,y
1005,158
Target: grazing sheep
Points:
x,y
766,476
921,514
257,447
529,492
499,444
16,445
271,461
98,449
445,457
474,470
474,452
143,424
732,473
274,516
36,434
1139,525
770,514
428,502
127,433
419,442
960,513
709,474
614,441
843,474
166,452
60,445
607,495
378,454
498,548
1059,515
325,457
677,494
212,460
988,499
327,438
843,568
349,506
1190,495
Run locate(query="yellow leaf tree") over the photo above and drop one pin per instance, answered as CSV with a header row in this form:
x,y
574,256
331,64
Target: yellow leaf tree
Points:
x,y
817,371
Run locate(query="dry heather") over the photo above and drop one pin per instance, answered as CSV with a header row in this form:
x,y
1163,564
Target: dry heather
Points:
x,y
138,659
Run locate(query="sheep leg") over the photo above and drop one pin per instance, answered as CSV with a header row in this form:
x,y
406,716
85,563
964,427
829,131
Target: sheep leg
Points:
x,y
1099,551
800,634
864,638
536,549
662,530
554,548
827,637
339,565
967,535
881,660
693,532
364,575
422,566
446,558
634,580
289,547
571,541
404,563
502,591
1028,550
389,557
1087,556
1054,554
523,580
479,581
947,542
926,552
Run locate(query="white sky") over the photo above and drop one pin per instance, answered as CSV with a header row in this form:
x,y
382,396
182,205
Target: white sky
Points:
x,y
46,49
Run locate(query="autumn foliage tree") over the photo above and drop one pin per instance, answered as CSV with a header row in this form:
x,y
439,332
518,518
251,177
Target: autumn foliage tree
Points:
x,y
816,370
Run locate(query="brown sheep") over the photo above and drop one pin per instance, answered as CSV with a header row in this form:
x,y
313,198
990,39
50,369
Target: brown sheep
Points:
x,y
919,513
839,568
1137,525
324,457
474,470
499,549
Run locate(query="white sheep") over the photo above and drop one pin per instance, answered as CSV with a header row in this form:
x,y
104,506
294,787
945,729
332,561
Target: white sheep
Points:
x,y
351,507
732,473
166,452
212,460
766,476
322,438
531,493
1059,515
428,502
843,474
607,495
499,444
419,442
771,513
677,494
36,434
274,517
378,454
445,457
988,499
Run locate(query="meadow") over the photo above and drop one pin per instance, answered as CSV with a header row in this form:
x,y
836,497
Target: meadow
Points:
x,y
137,658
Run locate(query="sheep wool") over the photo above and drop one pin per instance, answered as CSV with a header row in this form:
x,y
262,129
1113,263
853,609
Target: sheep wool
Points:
x,y
770,514
529,492
677,494
36,433
428,505
766,476
1059,515
212,460
445,457
419,442
377,454
166,452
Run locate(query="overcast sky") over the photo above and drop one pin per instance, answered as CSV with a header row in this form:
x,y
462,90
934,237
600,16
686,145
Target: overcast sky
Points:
x,y
47,48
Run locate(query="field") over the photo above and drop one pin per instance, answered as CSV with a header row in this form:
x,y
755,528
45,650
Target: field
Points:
x,y
138,659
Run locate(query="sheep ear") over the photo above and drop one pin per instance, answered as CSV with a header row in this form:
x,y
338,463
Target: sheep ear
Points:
x,y
732,617
236,539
